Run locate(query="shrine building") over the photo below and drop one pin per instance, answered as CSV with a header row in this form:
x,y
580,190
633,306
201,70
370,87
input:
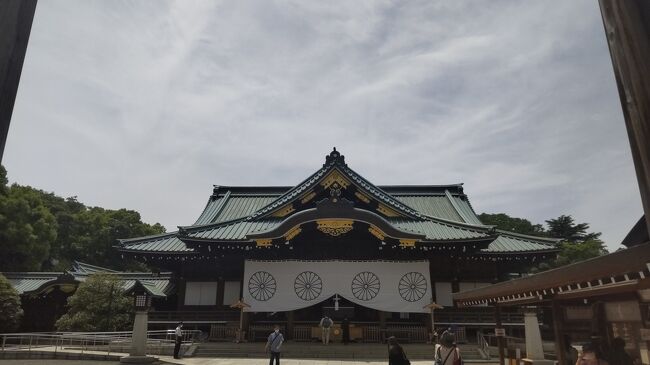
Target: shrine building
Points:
x,y
340,245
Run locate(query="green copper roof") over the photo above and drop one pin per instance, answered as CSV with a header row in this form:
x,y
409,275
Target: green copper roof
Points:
x,y
434,230
164,243
440,231
432,205
508,242
440,212
336,161
232,231
29,281
158,284
232,206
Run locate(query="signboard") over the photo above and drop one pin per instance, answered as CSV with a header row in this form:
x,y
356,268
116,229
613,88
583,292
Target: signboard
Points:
x,y
500,332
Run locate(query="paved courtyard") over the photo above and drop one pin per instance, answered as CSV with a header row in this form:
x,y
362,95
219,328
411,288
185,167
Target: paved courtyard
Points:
x,y
203,361
208,361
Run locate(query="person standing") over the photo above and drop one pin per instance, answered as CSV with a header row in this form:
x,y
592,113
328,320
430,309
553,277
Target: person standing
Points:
x,y
589,356
446,353
396,354
326,324
345,328
178,339
273,345
618,355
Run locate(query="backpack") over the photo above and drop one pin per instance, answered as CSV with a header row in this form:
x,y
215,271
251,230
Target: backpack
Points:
x,y
327,323
440,361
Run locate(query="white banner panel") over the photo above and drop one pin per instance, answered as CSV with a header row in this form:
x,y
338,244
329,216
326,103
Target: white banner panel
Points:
x,y
276,286
231,292
443,294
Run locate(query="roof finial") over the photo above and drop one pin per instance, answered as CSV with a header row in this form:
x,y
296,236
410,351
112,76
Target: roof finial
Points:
x,y
334,157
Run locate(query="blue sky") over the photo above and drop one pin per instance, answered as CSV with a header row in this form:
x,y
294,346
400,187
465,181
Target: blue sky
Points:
x,y
146,104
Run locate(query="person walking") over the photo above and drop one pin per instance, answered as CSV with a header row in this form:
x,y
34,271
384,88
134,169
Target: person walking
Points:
x,y
326,324
396,354
446,353
178,339
345,329
273,345
618,355
589,356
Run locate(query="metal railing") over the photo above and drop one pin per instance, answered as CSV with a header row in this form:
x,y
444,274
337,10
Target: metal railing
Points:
x,y
454,317
223,333
158,342
483,346
406,333
194,316
302,333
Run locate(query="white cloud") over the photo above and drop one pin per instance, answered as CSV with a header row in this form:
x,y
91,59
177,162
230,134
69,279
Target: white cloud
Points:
x,y
147,104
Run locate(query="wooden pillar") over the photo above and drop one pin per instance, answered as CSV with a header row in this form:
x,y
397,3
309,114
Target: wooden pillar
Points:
x,y
627,27
382,320
289,334
220,290
180,294
558,331
500,339
382,326
16,18
246,320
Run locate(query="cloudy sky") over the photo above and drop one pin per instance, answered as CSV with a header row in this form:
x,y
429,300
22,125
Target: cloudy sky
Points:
x,y
146,104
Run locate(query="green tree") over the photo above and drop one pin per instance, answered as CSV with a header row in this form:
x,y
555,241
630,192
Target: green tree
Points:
x,y
89,233
27,228
10,310
97,231
99,304
565,227
577,243
512,224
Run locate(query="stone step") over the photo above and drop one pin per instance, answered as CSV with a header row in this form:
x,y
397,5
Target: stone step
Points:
x,y
334,351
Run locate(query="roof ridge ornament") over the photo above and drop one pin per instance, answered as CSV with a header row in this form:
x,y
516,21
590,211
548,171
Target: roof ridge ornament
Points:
x,y
334,157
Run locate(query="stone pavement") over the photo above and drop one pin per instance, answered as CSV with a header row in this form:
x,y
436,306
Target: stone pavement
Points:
x,y
205,361
208,361
56,362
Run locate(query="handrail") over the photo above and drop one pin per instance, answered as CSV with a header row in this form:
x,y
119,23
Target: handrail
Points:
x,y
98,342
483,345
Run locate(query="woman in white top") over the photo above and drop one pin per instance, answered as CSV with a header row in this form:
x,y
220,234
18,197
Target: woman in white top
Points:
x,y
446,353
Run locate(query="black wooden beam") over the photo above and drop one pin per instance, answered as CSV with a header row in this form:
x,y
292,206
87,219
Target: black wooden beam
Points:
x,y
627,27
16,18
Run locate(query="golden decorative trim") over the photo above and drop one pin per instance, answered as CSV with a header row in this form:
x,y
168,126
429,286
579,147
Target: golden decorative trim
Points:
x,y
284,211
335,177
293,232
376,232
362,197
263,242
308,197
334,227
407,243
387,211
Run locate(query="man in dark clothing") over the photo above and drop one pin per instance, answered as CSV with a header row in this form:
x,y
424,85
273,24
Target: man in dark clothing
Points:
x,y
273,345
178,339
345,328
618,355
396,354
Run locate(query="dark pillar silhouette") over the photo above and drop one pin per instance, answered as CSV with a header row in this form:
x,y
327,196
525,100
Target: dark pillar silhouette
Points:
x,y
16,18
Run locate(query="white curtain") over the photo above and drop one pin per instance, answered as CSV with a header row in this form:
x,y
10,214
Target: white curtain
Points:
x,y
231,292
443,294
201,293
464,286
275,286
